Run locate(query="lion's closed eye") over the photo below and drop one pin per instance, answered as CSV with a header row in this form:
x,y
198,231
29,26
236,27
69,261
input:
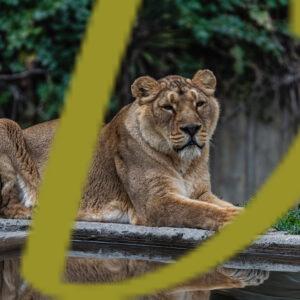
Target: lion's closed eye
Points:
x,y
200,103
168,108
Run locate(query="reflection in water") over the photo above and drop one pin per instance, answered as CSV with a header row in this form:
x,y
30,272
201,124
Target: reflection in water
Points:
x,y
83,270
279,286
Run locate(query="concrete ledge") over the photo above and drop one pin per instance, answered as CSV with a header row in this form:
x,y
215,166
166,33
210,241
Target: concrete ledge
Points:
x,y
275,251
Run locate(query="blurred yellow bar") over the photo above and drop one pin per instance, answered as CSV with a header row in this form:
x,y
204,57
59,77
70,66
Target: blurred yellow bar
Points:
x,y
294,17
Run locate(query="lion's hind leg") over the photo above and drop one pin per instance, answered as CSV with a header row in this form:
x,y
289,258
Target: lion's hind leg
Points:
x,y
19,174
11,205
15,211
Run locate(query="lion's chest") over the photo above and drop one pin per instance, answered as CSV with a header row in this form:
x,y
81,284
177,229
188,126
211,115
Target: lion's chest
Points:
x,y
190,187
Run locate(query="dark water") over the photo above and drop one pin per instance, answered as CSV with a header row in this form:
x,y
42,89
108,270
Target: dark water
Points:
x,y
279,286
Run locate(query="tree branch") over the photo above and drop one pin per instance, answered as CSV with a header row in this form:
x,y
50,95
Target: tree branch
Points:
x,y
22,75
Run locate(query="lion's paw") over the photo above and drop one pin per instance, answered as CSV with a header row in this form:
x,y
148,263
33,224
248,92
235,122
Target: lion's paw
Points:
x,y
228,214
16,211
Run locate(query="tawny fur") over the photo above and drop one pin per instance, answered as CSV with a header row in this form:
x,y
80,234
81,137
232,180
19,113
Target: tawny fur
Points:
x,y
143,172
83,270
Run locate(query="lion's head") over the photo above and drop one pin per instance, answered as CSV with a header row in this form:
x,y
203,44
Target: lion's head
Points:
x,y
176,114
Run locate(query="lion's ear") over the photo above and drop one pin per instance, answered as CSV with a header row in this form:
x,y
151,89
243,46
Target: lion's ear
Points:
x,y
206,81
145,89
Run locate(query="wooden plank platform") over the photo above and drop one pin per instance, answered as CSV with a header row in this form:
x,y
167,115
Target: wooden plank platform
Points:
x,y
274,251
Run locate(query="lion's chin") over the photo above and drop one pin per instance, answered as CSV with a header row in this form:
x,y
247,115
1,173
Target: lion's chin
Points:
x,y
190,152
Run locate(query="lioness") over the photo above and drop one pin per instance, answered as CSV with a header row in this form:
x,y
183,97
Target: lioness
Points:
x,y
150,166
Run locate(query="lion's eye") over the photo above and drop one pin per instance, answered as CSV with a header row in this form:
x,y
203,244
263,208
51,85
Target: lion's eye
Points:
x,y
168,108
200,103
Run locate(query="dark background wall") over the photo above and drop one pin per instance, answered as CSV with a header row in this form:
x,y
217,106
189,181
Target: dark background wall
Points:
x,y
246,149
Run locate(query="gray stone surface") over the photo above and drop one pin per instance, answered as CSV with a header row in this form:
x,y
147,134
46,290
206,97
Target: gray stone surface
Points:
x,y
274,251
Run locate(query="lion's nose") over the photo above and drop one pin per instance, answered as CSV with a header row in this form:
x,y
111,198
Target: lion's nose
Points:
x,y
191,129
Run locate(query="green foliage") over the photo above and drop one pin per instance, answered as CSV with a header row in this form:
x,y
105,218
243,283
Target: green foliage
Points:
x,y
246,43
240,40
240,21
290,222
44,34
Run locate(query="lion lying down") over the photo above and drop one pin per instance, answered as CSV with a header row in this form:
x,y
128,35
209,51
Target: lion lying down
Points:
x,y
150,166
151,162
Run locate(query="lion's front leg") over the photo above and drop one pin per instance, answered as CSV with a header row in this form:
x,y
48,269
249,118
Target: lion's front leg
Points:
x,y
158,201
177,211
211,198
